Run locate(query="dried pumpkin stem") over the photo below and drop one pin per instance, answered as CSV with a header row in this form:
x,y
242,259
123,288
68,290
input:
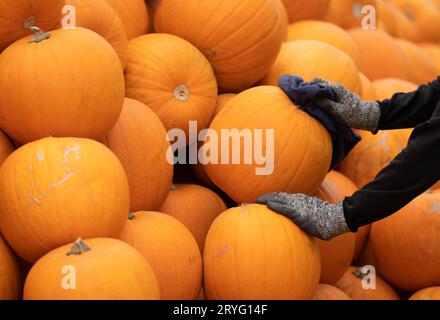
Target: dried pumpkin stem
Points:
x,y
359,274
29,23
39,35
78,248
131,216
181,93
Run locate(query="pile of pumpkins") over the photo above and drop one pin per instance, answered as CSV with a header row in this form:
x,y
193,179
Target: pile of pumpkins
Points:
x,y
92,206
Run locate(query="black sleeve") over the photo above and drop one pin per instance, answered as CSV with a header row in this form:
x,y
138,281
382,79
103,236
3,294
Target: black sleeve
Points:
x,y
407,110
412,172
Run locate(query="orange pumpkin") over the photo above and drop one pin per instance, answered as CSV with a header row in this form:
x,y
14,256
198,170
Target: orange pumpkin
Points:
x,y
10,279
173,78
352,284
171,251
362,237
368,90
301,147
328,292
405,245
55,189
254,253
240,50
422,68
376,62
51,92
99,16
325,32
17,16
6,147
134,16
347,13
405,28
432,293
337,254
139,141
433,51
196,207
310,59
436,186
94,269
386,88
303,10
222,100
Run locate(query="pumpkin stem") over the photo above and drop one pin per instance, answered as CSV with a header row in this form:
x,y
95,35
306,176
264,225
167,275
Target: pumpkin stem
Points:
x,y
29,22
78,248
181,93
39,35
359,274
131,216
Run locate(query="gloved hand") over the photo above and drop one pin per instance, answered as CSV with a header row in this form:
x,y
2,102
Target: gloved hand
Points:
x,y
349,108
318,218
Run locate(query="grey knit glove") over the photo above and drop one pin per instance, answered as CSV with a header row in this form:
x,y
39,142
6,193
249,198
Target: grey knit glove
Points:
x,y
318,218
349,109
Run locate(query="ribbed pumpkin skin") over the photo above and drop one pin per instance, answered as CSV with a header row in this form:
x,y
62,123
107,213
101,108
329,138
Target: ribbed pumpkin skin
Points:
x,y
302,147
433,51
111,270
196,207
52,94
386,88
14,13
56,189
10,279
352,285
405,245
99,16
310,59
325,32
432,293
328,292
336,254
368,90
254,253
157,65
241,40
139,141
303,10
375,60
134,16
171,251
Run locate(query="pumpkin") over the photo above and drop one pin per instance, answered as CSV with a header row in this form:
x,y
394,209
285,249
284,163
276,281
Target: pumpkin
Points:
x,y
347,13
433,51
171,251
301,147
376,62
10,278
436,186
196,207
139,141
241,40
336,254
52,94
362,237
222,101
6,147
133,14
386,88
94,269
252,253
328,292
432,293
54,189
368,90
310,59
17,16
173,78
352,284
422,68
99,16
402,242
325,32
301,10
405,28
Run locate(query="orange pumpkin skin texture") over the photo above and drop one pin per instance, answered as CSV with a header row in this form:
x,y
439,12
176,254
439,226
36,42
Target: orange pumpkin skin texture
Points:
x,y
10,278
433,51
54,189
328,292
134,16
368,90
15,15
347,13
253,253
173,78
325,32
375,60
336,254
302,148
310,59
405,256
66,101
110,270
196,207
302,10
351,284
386,88
362,237
171,251
6,147
139,141
432,293
240,50
99,16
